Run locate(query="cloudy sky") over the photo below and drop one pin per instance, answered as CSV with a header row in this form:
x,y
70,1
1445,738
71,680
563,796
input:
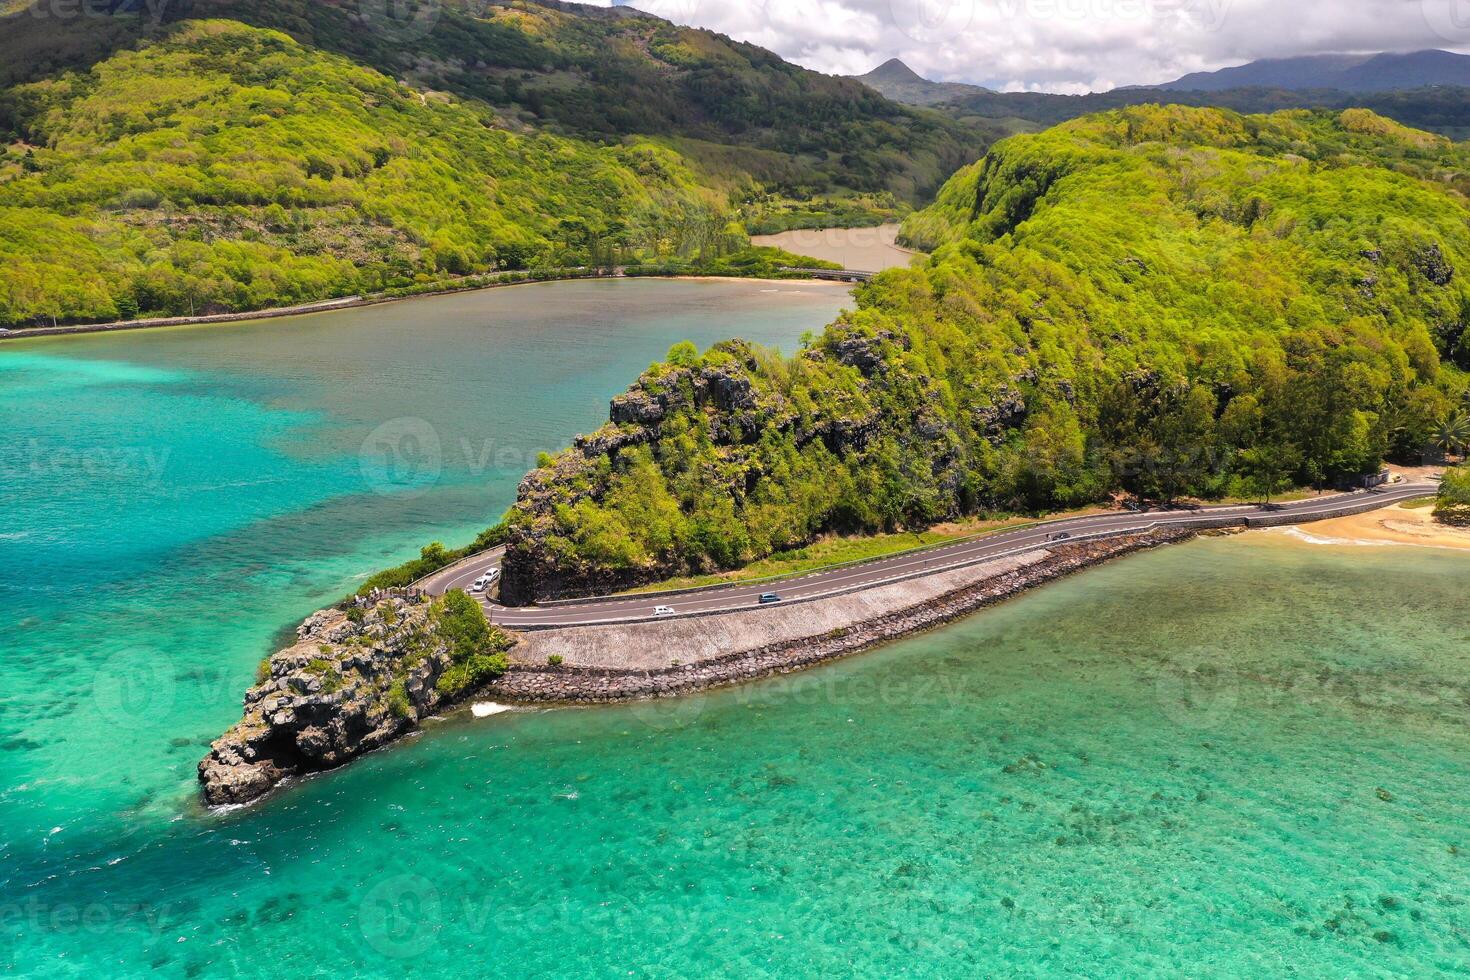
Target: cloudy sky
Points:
x,y
1069,45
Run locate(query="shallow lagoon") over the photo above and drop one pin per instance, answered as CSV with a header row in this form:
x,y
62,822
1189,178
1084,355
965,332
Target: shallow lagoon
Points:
x,y
1240,756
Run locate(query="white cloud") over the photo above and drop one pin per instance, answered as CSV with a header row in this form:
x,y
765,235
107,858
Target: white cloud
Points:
x,y
1069,45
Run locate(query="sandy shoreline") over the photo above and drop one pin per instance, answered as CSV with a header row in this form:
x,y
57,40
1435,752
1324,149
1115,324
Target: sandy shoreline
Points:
x,y
358,302
1397,525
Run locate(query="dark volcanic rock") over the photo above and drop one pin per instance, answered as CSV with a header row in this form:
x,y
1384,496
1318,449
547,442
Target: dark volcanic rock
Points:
x,y
1007,411
1430,261
345,688
727,390
636,407
611,439
866,353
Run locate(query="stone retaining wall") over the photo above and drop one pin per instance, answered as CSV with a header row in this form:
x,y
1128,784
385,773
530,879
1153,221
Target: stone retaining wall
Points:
x,y
572,684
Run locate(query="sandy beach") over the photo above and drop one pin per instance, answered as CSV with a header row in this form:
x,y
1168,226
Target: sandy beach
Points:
x,y
1397,525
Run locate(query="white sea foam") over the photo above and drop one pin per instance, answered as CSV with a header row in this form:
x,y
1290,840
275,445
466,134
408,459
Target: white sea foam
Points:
x,y
484,709
1322,539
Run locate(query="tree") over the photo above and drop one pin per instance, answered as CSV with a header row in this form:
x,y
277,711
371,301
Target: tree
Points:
x,y
1268,468
1454,497
1453,435
684,354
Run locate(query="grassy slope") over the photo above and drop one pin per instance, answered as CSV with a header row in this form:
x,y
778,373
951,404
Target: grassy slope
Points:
x,y
1165,301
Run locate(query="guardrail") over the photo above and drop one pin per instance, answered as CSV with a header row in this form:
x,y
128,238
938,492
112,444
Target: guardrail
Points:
x,y
1354,503
475,559
1059,524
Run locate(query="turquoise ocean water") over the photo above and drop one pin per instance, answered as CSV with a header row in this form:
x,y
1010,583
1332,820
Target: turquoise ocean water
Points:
x,y
1236,757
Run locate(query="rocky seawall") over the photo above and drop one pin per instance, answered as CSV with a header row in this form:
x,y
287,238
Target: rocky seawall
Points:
x,y
526,682
355,680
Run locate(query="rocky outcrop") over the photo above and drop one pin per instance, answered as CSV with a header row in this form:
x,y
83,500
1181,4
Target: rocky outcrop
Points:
x,y
355,680
1432,264
1007,411
737,410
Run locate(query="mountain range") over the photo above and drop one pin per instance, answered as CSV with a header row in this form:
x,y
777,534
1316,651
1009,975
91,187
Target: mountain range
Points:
x,y
1347,73
1428,90
1387,72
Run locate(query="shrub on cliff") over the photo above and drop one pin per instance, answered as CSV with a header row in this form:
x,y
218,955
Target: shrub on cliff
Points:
x,y
477,649
1453,506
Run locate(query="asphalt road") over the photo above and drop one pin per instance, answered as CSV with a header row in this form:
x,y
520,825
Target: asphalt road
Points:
x,y
844,579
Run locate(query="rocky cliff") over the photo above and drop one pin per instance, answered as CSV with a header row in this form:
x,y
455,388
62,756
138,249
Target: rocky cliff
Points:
x,y
726,412
356,679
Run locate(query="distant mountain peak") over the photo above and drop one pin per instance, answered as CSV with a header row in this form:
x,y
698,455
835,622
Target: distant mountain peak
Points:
x,y
901,83
894,70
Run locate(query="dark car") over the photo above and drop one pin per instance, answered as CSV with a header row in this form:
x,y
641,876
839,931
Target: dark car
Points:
x,y
770,599
1061,536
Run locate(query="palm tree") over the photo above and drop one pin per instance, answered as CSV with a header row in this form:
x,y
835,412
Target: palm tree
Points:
x,y
1453,435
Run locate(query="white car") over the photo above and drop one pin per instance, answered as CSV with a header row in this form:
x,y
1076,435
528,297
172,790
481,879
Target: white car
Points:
x,y
663,611
485,581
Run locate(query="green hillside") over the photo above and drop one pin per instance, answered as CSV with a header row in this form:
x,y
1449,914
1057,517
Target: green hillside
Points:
x,y
225,167
589,72
303,150
1163,301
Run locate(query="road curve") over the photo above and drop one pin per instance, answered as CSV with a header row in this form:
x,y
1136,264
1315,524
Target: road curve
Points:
x,y
851,578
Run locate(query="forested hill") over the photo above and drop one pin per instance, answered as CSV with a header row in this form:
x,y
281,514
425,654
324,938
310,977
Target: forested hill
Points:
x,y
575,70
1165,301
1441,109
294,150
223,167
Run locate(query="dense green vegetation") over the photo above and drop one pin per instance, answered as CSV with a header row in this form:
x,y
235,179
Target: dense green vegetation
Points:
x,y
238,154
1453,506
1157,301
775,215
226,168
201,165
477,650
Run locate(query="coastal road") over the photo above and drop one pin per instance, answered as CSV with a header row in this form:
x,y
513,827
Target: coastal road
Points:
x,y
840,580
